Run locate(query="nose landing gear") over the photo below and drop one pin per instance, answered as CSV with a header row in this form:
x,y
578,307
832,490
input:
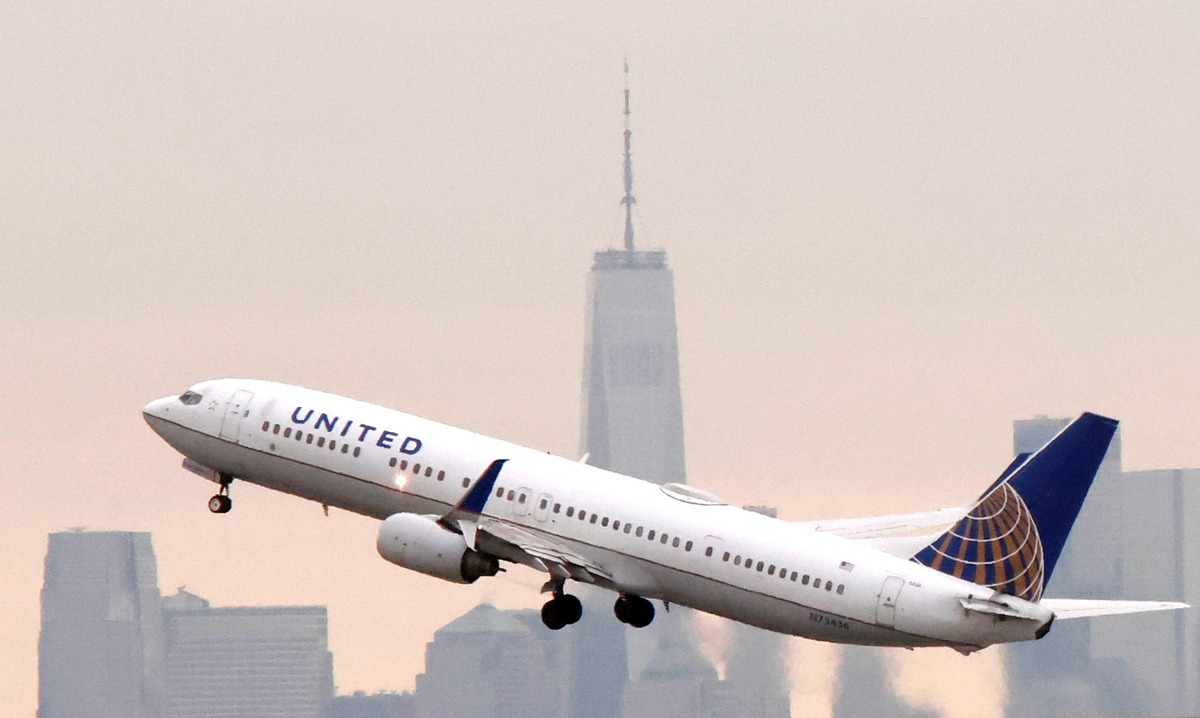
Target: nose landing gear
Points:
x,y
562,610
221,503
634,610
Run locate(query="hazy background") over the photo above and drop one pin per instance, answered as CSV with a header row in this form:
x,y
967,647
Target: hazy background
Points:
x,y
894,230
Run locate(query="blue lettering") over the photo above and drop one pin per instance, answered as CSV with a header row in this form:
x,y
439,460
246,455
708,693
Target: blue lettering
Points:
x,y
385,439
324,419
366,429
347,427
410,446
296,416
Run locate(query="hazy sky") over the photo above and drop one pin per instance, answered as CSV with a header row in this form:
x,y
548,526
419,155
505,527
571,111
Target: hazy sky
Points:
x,y
894,229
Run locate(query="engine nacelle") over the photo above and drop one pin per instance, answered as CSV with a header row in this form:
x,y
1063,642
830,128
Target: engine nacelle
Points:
x,y
421,544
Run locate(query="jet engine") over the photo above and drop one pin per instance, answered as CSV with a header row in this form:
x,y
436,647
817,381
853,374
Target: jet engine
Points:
x,y
421,544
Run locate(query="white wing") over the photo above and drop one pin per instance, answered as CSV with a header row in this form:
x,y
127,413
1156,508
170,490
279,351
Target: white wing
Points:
x,y
1086,608
888,526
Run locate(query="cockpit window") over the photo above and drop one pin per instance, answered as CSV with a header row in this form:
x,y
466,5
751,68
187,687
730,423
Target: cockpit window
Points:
x,y
190,398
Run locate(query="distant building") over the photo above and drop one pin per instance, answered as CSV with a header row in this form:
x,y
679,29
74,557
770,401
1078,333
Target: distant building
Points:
x,y
1064,673
632,423
377,705
490,663
679,683
756,671
1160,559
260,662
100,652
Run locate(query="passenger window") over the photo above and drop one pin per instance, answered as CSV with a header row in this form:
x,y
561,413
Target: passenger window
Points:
x,y
829,585
725,557
570,511
675,542
287,433
771,570
441,475
841,588
650,536
707,551
543,504
804,580
688,547
300,436
466,481
308,439
521,499
321,441
793,575
332,444
404,464
750,563
500,492
627,527
345,448
416,469
557,507
582,515
594,517
737,561
638,533
759,567
266,426
275,430
357,450
816,583
604,523
616,525
392,461
511,494
428,471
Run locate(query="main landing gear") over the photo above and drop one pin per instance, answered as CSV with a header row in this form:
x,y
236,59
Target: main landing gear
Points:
x,y
634,610
221,503
562,610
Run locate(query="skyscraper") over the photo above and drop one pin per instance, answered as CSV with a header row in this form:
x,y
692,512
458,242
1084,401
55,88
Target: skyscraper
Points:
x,y
100,653
632,419
490,663
248,662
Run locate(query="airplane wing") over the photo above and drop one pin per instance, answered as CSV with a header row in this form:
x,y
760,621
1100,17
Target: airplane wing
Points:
x,y
888,526
512,542
1065,608
550,556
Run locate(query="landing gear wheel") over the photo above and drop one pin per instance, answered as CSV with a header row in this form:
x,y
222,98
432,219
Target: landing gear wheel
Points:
x,y
571,608
220,504
634,610
552,615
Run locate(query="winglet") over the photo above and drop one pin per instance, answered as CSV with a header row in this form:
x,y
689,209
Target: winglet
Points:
x,y
471,504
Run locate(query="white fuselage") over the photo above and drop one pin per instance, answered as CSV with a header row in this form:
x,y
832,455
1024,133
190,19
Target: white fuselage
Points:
x,y
716,558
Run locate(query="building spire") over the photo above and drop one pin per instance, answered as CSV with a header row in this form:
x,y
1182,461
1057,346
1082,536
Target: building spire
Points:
x,y
628,199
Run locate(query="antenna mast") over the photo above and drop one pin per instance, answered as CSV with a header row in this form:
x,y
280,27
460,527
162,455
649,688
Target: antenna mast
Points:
x,y
628,199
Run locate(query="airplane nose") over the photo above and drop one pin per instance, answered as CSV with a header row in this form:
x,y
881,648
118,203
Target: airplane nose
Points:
x,y
158,409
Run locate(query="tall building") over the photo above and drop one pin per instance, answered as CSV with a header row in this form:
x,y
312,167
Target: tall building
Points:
x,y
260,662
1160,555
756,665
1063,674
100,652
679,683
632,424
490,663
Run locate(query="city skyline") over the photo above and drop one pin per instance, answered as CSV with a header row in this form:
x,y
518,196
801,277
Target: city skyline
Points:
x,y
892,234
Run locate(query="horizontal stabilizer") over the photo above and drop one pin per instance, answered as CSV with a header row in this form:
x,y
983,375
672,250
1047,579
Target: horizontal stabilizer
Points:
x,y
1086,608
887,526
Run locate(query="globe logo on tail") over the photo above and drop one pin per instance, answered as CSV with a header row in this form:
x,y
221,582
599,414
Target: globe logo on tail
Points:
x,y
995,545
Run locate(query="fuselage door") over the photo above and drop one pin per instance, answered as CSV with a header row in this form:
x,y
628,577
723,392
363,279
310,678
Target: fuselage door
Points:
x,y
889,596
238,409
541,510
521,502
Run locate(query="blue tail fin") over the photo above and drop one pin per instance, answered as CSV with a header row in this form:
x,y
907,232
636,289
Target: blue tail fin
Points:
x,y
1012,537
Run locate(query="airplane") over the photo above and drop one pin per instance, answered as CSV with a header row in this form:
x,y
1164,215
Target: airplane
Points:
x,y
455,505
